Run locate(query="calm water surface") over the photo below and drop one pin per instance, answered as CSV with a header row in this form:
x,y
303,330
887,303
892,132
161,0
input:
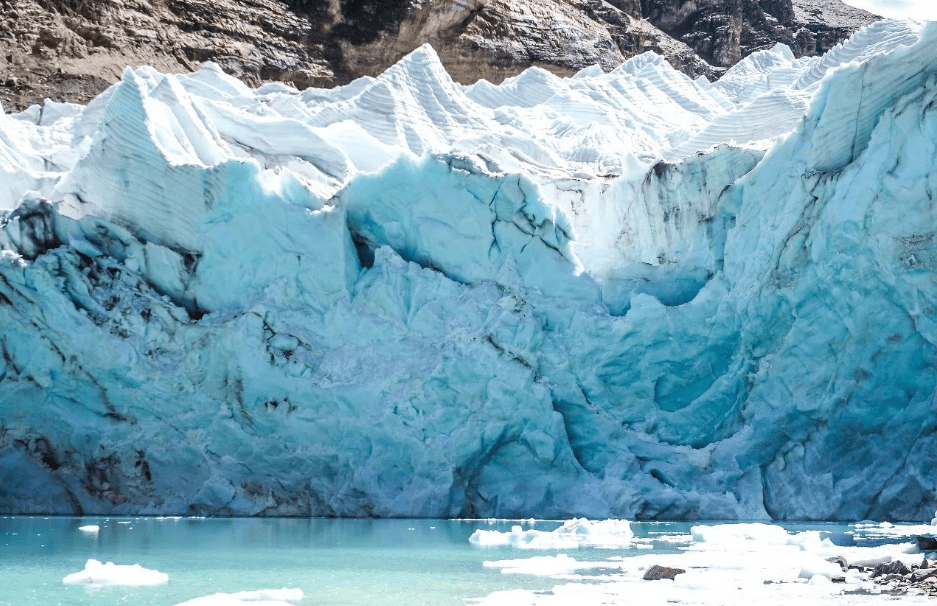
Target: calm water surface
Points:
x,y
334,562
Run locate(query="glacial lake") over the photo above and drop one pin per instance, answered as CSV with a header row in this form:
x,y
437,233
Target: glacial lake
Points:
x,y
355,562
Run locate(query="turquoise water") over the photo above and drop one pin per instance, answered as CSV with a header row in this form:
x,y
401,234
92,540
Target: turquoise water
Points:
x,y
334,562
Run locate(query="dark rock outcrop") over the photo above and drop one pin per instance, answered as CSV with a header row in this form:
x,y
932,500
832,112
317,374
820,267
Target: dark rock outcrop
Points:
x,y
723,31
922,574
896,567
658,573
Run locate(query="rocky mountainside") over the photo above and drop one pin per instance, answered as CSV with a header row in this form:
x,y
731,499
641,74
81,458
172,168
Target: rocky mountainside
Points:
x,y
722,32
70,50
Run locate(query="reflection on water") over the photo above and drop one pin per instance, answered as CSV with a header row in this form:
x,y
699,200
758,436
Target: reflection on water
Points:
x,y
334,562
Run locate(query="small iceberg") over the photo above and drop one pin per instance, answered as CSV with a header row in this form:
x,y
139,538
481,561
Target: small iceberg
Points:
x,y
110,574
90,529
580,532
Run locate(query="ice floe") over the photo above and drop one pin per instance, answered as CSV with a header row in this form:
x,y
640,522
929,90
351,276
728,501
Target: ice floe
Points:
x,y
578,532
723,564
109,574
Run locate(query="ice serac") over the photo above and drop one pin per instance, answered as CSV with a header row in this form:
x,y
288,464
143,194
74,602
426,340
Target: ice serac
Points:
x,y
617,294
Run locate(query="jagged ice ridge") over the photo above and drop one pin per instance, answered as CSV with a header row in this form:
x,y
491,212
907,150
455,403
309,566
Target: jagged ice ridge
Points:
x,y
624,294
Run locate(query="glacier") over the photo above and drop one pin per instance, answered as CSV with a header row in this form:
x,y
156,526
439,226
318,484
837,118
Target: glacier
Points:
x,y
624,294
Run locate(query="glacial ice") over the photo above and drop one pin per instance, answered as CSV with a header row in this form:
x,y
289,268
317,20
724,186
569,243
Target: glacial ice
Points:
x,y
629,294
110,574
724,564
575,533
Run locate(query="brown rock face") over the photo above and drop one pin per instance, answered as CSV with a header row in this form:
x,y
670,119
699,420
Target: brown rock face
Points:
x,y
70,50
495,39
723,31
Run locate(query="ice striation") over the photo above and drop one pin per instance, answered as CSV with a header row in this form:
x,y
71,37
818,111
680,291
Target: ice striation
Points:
x,y
629,294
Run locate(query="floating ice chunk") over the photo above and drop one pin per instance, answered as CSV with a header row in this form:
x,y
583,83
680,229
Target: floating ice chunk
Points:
x,y
741,534
559,566
817,567
883,530
90,529
666,538
97,574
571,535
754,537
263,597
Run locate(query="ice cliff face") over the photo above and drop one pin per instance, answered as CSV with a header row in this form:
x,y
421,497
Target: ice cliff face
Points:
x,y
625,294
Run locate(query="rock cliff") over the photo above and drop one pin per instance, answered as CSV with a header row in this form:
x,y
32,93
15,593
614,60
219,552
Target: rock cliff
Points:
x,y
70,50
722,32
